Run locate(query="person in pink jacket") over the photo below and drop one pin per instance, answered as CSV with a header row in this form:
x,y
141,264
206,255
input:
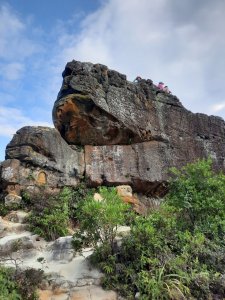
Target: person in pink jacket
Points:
x,y
166,89
160,85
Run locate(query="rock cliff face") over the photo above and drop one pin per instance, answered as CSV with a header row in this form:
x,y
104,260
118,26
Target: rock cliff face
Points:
x,y
132,132
37,157
114,132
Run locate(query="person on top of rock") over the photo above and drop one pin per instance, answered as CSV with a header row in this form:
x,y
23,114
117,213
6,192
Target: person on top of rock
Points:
x,y
149,81
160,85
166,89
138,79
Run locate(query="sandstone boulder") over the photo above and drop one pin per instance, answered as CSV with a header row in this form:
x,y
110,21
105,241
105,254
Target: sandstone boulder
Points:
x,y
12,199
38,157
125,192
115,132
132,132
17,216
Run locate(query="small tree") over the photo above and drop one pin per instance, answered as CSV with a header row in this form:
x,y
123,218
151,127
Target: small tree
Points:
x,y
50,217
99,220
197,195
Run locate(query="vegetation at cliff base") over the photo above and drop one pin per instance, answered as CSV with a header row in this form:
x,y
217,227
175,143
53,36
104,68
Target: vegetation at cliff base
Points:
x,y
51,215
177,252
18,284
99,220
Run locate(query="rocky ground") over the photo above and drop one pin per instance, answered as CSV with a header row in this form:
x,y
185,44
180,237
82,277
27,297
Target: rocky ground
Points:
x,y
69,275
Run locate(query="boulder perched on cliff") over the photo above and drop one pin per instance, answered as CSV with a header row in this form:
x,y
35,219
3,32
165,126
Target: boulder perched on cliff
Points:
x,y
132,132
114,132
37,157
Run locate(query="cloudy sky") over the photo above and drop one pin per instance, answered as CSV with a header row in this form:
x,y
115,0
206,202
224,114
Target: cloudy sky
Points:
x,y
180,42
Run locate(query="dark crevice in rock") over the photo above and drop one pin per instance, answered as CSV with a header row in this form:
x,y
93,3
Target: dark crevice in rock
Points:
x,y
23,156
132,134
150,189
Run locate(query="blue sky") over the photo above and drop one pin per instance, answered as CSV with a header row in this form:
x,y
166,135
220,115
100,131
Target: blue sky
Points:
x,y
179,42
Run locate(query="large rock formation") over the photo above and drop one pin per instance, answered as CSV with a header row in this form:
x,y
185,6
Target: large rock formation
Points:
x,y
114,132
132,132
37,157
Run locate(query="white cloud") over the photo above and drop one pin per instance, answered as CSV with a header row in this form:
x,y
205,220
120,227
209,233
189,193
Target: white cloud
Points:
x,y
218,107
179,43
15,43
12,119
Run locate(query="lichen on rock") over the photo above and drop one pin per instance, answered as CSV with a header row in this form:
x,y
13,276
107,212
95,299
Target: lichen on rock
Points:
x,y
128,133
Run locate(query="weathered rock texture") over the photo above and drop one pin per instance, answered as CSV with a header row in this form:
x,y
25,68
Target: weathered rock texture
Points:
x,y
69,275
115,131
37,157
132,132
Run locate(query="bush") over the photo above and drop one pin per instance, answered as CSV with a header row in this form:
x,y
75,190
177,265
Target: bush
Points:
x,y
197,195
8,288
77,196
50,217
19,285
178,251
3,210
27,282
98,220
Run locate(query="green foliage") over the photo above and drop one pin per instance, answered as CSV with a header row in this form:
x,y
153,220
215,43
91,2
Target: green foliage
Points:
x,y
178,251
76,197
197,195
98,220
8,287
3,209
50,217
27,282
20,285
159,285
26,199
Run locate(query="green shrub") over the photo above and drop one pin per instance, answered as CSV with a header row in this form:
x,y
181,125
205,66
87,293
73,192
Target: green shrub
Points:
x,y
50,217
3,209
197,196
27,282
178,251
77,195
19,285
98,220
8,287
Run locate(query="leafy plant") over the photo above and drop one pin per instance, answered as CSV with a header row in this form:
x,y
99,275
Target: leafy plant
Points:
x,y
76,196
20,285
8,288
3,210
159,285
50,217
197,195
177,252
99,220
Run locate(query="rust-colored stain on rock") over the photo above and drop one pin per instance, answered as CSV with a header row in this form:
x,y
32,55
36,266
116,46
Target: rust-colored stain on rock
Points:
x,y
42,178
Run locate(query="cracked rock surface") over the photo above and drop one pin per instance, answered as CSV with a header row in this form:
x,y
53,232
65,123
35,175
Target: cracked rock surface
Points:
x,y
132,132
69,275
112,132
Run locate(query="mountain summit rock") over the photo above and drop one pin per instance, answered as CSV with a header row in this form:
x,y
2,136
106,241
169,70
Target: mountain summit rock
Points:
x,y
111,131
132,133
